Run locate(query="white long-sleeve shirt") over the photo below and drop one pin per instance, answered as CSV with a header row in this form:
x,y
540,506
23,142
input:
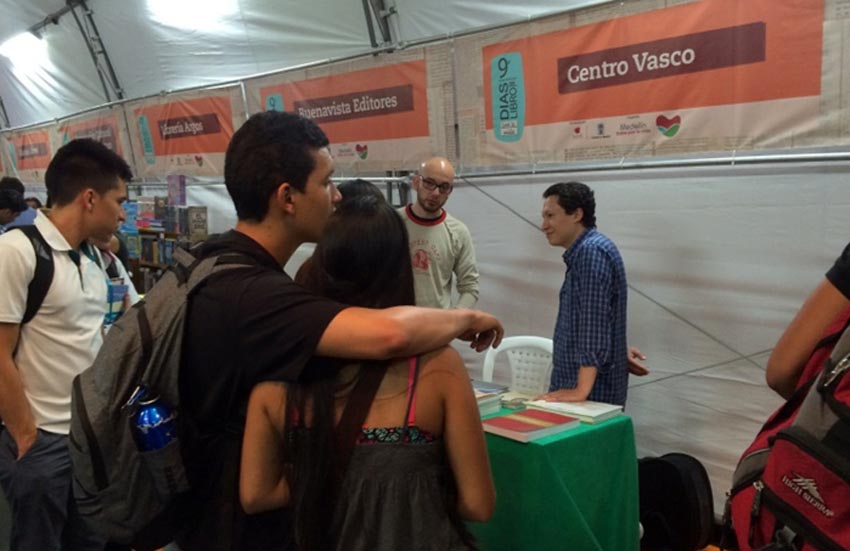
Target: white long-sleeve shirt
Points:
x,y
441,250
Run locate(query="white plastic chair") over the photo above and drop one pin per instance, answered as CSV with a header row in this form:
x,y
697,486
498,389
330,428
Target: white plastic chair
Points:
x,y
530,360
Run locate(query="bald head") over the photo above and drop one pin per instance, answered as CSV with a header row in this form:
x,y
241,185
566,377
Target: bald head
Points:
x,y
433,185
438,168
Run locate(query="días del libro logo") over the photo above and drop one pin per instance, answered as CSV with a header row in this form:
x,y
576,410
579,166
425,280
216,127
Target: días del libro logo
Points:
x,y
362,150
507,88
668,127
274,102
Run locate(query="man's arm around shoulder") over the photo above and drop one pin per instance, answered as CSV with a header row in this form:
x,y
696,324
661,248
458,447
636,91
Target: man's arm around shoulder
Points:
x,y
364,333
14,408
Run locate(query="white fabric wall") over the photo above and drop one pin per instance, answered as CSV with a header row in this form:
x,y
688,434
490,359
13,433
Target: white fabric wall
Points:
x,y
718,261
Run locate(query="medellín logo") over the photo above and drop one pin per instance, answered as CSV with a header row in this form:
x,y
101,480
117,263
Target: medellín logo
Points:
x,y
274,102
362,151
668,127
508,90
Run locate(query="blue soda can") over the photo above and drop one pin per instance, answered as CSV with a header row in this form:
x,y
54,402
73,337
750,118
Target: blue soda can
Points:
x,y
155,424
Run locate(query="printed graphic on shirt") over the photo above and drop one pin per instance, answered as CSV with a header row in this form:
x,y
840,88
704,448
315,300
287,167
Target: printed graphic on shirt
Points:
x,y
423,252
420,260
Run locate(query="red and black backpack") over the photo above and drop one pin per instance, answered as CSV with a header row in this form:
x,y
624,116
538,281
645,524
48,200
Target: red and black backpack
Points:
x,y
791,488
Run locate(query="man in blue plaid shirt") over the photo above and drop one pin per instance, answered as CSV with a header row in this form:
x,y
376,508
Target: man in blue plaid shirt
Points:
x,y
590,355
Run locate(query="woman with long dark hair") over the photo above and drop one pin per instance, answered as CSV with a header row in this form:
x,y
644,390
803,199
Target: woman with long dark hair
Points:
x,y
419,466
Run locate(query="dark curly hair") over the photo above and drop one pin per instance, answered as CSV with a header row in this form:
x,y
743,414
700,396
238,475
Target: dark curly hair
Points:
x,y
271,148
572,196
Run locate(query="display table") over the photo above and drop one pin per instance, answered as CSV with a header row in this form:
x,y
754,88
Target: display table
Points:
x,y
575,491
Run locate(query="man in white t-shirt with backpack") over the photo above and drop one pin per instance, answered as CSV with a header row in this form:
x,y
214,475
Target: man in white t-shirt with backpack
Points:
x,y
39,358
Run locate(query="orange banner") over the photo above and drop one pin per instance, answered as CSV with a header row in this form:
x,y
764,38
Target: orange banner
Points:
x,y
203,125
103,129
384,103
32,150
707,53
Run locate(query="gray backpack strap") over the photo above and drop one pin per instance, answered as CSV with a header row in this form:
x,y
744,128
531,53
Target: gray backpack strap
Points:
x,y
817,415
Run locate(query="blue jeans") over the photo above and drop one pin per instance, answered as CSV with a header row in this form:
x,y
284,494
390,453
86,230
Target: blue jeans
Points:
x,y
38,489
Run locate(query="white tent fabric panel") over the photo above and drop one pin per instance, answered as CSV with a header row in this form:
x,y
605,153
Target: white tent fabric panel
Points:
x,y
66,83
418,20
251,36
718,261
157,45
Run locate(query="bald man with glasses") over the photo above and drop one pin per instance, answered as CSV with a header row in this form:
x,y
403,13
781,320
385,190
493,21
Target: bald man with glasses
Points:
x,y
440,245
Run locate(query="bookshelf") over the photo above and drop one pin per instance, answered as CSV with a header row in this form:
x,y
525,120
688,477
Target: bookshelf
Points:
x,y
154,229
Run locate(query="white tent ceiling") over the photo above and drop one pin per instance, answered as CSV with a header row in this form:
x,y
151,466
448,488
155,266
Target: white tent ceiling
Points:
x,y
157,45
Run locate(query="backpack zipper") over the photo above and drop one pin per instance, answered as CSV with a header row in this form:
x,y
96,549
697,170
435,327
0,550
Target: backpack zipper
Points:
x,y
837,371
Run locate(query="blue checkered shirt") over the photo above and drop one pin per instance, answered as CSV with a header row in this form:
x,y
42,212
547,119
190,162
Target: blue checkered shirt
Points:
x,y
591,325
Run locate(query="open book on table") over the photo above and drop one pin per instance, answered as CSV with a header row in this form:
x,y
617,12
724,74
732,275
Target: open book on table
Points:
x,y
587,411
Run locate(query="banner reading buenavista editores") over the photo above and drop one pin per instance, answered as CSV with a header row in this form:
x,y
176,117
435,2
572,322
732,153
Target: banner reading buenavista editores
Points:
x,y
104,127
375,118
714,75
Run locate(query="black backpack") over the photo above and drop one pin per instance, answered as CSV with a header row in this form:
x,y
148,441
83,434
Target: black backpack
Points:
x,y
43,275
125,495
676,506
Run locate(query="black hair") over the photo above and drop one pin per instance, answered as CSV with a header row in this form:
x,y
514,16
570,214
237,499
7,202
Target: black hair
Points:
x,y
10,182
572,196
12,200
350,189
35,200
80,164
363,259
271,148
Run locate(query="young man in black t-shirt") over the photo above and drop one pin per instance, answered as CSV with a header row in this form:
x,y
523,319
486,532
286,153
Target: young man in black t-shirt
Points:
x,y
252,325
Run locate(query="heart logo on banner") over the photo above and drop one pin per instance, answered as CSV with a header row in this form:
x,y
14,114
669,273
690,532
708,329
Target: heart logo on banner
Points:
x,y
199,159
668,127
362,150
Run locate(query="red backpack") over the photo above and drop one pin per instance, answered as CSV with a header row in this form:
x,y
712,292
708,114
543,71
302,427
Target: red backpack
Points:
x,y
791,488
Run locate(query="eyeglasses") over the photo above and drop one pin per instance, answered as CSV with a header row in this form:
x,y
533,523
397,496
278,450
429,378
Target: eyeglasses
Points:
x,y
432,184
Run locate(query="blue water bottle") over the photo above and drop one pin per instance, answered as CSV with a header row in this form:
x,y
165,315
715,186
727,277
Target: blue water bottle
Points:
x,y
155,423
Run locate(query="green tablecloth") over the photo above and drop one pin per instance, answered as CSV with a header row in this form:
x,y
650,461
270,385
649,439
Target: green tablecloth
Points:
x,y
575,491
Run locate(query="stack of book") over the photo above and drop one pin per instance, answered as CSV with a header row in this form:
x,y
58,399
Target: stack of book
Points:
x,y
515,400
488,386
488,403
587,411
529,424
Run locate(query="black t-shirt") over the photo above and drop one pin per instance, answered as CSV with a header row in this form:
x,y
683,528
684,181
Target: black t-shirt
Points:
x,y
243,327
839,274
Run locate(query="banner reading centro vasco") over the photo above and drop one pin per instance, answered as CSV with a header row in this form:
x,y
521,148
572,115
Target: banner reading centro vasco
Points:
x,y
713,75
29,153
373,117
182,135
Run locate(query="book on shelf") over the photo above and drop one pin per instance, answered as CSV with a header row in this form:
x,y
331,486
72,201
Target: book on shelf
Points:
x,y
488,403
529,424
196,224
176,189
587,411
